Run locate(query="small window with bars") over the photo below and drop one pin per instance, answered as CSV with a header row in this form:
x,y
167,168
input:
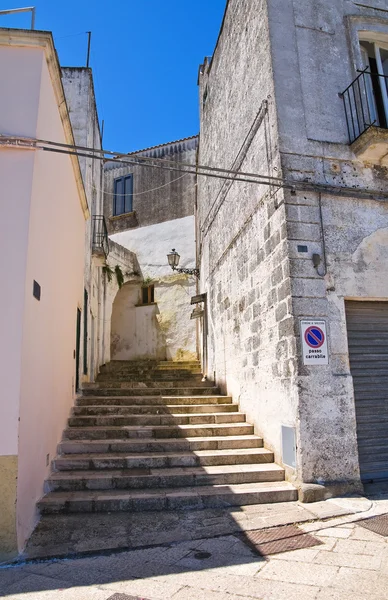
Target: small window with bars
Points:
x,y
147,294
123,195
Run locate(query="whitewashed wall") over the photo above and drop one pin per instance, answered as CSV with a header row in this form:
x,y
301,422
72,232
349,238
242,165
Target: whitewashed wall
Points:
x,y
172,326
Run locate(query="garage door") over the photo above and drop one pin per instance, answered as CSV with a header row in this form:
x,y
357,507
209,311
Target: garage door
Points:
x,y
367,324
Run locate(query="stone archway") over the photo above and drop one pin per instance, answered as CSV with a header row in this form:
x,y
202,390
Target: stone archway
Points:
x,y
135,331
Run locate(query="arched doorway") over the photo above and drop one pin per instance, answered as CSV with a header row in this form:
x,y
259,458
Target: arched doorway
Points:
x,y
135,331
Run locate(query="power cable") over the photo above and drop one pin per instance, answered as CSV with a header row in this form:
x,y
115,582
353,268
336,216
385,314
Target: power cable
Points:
x,y
138,193
133,158
215,172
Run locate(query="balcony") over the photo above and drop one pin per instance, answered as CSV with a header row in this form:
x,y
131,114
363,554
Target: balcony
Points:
x,y
366,110
100,240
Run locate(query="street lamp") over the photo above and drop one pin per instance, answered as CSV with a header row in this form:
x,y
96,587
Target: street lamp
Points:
x,y
173,260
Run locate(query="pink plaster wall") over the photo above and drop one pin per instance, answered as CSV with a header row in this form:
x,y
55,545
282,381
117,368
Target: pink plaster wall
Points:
x,y
55,259
20,75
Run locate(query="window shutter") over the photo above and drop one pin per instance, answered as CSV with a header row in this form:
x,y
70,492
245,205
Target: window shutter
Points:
x,y
118,205
128,190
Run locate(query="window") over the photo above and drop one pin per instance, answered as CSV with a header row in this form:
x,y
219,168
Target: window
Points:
x,y
123,195
147,294
375,60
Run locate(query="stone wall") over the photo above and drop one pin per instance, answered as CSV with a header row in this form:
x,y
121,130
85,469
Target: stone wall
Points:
x,y
297,57
81,101
242,231
159,195
314,61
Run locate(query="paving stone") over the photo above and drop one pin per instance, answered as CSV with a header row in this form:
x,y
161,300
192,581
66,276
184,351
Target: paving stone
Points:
x,y
118,596
322,510
36,583
356,561
336,532
147,588
301,573
351,546
355,580
328,543
360,533
335,594
226,563
305,555
11,575
188,593
75,593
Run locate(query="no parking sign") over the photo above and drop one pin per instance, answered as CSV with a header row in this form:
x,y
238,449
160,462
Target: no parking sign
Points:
x,y
314,342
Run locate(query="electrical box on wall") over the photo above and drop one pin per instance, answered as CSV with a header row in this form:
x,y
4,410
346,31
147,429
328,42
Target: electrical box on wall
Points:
x,y
289,446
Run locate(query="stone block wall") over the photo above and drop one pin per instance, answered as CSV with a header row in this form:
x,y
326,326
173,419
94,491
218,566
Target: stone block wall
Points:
x,y
291,60
242,230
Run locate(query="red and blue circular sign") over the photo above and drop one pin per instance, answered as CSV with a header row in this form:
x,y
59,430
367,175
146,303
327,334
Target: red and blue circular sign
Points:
x,y
314,337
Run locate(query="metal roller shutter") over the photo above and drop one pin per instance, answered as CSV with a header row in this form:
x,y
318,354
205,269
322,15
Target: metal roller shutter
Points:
x,y
367,324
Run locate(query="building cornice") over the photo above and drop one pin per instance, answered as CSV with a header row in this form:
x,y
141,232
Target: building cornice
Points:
x,y
44,40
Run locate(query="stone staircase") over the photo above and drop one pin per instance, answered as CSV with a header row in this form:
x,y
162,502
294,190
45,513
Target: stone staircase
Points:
x,y
153,437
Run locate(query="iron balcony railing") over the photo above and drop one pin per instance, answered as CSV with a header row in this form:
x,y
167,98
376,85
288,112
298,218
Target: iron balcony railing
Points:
x,y
366,103
100,240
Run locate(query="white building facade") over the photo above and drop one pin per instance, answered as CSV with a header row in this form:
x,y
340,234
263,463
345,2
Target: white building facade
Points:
x,y
150,210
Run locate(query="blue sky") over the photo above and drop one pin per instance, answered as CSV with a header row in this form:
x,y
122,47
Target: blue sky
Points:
x,y
144,54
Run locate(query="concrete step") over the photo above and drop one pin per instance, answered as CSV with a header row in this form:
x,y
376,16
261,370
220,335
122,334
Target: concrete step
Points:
x,y
156,431
154,460
153,409
215,496
144,420
155,445
149,391
148,478
165,384
154,400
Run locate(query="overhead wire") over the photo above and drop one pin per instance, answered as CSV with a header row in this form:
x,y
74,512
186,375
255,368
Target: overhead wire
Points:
x,y
134,158
199,170
138,193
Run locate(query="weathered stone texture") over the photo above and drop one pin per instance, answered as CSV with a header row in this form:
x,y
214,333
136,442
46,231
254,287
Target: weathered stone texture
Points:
x,y
295,56
312,62
159,195
242,228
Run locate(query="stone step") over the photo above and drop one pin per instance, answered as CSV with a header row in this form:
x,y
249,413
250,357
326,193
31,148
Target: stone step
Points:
x,y
178,363
135,479
156,431
155,445
150,409
154,460
168,369
215,496
163,372
155,376
144,420
154,400
150,391
165,384
173,367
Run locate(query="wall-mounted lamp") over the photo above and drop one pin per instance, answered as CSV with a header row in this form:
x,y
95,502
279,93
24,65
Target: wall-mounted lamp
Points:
x,y
316,260
173,260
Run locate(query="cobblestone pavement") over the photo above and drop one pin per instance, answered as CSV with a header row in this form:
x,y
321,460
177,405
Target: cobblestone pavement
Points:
x,y
350,562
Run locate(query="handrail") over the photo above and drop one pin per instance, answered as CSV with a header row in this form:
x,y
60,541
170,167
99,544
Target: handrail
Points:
x,y
363,104
100,240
